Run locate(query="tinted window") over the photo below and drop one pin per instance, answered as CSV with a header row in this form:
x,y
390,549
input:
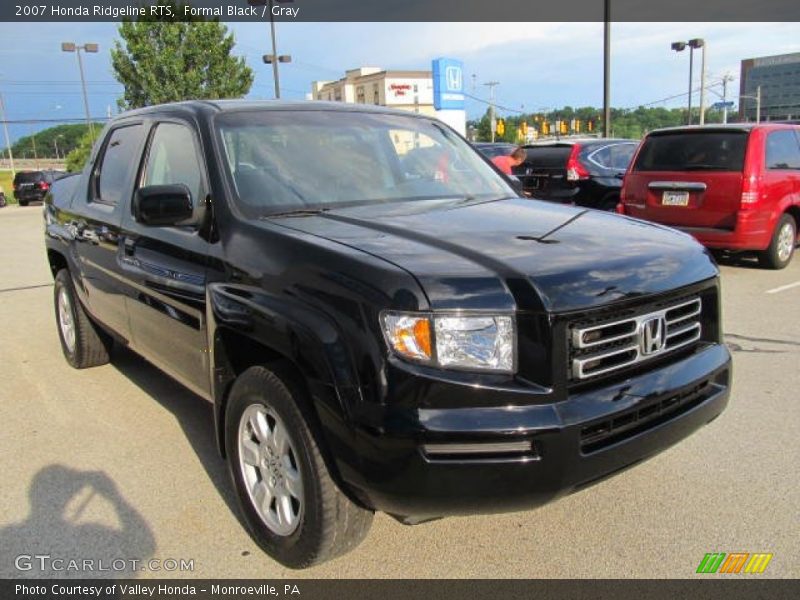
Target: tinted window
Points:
x,y
783,151
120,156
173,159
28,177
548,156
614,156
693,151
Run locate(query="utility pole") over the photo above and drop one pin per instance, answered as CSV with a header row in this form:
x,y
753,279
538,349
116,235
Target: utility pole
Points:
x,y
8,141
703,86
607,70
725,79
492,118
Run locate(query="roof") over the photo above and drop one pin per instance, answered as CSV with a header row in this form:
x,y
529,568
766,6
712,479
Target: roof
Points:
x,y
207,107
576,140
724,127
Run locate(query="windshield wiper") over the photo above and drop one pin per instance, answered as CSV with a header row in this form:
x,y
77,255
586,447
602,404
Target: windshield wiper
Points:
x,y
300,212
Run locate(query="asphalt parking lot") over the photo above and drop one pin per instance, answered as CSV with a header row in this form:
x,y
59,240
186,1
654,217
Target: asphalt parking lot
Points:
x,y
120,462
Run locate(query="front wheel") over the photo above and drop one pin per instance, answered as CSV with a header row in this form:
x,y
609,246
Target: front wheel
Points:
x,y
781,248
294,510
23,202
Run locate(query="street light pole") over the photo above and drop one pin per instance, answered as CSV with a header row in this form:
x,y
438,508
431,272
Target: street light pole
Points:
x,y
8,141
92,49
273,58
274,53
693,45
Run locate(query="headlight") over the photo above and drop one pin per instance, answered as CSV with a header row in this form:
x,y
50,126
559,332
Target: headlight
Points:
x,y
479,343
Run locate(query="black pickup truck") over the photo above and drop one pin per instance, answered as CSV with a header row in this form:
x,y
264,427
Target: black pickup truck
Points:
x,y
380,322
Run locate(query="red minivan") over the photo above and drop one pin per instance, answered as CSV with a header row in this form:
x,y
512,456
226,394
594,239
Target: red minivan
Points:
x,y
733,187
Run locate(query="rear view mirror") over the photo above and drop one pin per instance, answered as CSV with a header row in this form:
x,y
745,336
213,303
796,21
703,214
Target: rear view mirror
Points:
x,y
163,205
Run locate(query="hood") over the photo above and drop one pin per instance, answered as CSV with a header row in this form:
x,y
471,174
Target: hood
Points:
x,y
517,253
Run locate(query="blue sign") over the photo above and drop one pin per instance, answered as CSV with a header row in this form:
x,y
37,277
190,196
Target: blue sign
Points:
x,y
720,105
448,84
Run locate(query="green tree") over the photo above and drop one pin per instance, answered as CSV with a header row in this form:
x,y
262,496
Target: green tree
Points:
x,y
65,138
159,61
76,159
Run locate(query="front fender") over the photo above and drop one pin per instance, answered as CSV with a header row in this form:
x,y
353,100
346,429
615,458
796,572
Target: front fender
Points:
x,y
285,328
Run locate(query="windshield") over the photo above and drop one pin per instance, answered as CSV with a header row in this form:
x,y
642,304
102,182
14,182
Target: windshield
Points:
x,y
289,161
693,151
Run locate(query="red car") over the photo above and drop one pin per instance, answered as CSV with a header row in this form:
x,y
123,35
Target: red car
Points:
x,y
733,187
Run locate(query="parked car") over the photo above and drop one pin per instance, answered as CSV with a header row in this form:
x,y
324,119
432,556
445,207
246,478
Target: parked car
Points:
x,y
584,172
374,334
32,186
733,187
493,149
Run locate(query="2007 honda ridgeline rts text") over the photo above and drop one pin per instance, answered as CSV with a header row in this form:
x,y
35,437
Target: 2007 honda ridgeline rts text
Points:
x,y
379,320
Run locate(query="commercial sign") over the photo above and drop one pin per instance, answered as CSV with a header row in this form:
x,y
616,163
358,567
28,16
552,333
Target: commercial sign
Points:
x,y
448,84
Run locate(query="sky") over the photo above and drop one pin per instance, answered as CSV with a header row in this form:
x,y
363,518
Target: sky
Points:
x,y
539,65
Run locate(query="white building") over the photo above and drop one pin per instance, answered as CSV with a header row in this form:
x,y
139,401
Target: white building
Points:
x,y
405,90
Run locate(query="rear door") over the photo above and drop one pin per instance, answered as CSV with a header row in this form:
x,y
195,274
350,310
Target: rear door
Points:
x,y
781,179
690,178
165,267
94,226
544,172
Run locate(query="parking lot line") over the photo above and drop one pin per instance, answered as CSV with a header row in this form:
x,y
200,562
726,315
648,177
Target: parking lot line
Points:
x,y
783,288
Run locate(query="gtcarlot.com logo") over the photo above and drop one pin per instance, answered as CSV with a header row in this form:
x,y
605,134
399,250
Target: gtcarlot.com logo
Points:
x,y
735,562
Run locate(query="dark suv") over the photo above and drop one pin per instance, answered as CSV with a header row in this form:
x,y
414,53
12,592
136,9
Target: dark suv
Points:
x,y
376,332
586,172
32,186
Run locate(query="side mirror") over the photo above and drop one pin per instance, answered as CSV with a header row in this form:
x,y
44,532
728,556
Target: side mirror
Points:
x,y
163,205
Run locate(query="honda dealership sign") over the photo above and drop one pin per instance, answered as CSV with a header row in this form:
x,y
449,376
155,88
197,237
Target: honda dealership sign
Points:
x,y
448,84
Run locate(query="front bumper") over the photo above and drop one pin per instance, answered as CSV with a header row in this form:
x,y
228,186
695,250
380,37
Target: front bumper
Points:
x,y
393,474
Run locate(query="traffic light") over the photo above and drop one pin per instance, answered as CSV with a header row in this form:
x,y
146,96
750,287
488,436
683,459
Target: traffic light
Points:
x,y
562,129
501,127
590,125
524,128
577,125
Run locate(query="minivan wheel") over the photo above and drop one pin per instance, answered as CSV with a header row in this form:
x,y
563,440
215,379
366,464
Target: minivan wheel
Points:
x,y
84,344
292,507
781,248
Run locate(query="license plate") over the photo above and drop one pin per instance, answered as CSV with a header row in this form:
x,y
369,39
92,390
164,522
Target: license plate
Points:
x,y
675,199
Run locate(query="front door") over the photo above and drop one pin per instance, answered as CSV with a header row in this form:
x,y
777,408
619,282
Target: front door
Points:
x,y
166,266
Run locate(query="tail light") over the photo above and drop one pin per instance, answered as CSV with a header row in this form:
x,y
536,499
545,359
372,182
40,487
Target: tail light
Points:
x,y
575,170
43,185
750,191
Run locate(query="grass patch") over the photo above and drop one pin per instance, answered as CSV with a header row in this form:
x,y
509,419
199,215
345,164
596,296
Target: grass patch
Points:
x,y
7,183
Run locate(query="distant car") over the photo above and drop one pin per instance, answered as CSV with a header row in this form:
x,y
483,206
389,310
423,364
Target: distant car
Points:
x,y
31,186
494,149
733,187
585,172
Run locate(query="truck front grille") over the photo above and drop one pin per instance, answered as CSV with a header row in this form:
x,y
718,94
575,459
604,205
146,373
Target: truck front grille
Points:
x,y
601,348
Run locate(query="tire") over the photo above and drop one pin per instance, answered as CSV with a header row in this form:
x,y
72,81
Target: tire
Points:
x,y
610,204
23,202
781,248
318,522
84,344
